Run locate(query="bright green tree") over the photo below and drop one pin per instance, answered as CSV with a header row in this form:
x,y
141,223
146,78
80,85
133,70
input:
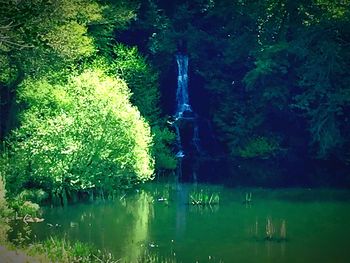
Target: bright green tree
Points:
x,y
143,81
83,134
41,38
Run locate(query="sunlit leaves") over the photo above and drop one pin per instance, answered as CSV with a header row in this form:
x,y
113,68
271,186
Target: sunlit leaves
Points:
x,y
143,82
163,139
140,77
81,134
70,41
30,21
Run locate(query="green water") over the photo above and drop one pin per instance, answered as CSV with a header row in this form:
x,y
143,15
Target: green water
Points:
x,y
317,225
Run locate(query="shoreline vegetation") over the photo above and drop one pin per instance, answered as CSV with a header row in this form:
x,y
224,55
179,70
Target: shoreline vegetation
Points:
x,y
22,249
54,250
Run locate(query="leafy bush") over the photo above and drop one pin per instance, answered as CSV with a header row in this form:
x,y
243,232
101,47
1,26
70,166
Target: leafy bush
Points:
x,y
78,135
144,84
164,158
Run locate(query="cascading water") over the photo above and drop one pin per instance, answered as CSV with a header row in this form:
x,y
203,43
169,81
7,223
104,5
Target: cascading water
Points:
x,y
198,152
182,99
180,152
184,112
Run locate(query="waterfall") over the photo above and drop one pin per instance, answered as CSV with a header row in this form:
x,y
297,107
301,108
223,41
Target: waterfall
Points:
x,y
180,152
182,99
198,152
183,105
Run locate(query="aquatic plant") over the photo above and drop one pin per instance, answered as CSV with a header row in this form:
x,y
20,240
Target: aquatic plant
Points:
x,y
248,198
204,208
6,215
64,251
151,257
204,198
163,195
271,231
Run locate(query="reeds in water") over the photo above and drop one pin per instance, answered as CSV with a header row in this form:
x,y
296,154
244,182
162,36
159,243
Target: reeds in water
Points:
x,y
271,231
204,198
248,198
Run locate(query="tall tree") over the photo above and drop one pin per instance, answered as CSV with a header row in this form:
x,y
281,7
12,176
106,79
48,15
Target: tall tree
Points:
x,y
37,37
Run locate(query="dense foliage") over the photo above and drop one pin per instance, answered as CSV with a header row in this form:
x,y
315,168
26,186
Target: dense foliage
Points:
x,y
143,81
275,72
84,134
270,75
79,112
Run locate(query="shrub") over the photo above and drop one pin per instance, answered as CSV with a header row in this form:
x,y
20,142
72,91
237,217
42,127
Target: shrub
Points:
x,y
78,135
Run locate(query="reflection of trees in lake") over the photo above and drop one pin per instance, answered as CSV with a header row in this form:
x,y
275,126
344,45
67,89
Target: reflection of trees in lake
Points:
x,y
121,227
142,210
181,211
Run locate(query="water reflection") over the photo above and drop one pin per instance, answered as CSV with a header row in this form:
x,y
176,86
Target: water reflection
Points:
x,y
160,219
181,211
141,207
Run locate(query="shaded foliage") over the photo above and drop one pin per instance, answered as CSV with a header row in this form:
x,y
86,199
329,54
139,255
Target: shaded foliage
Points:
x,y
273,69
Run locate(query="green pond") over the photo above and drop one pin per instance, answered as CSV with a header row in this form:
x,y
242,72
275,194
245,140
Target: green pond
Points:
x,y
304,225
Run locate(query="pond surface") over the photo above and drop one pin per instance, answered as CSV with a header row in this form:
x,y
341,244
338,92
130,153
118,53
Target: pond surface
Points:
x,y
316,225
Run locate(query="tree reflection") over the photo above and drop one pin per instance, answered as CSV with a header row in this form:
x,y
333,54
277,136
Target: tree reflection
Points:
x,y
142,210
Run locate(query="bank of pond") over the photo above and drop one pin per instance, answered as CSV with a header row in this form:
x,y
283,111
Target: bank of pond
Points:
x,y
175,222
